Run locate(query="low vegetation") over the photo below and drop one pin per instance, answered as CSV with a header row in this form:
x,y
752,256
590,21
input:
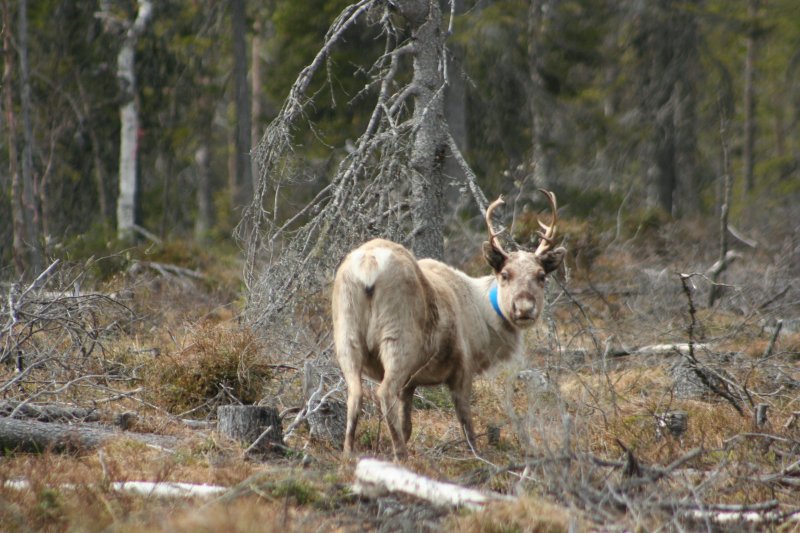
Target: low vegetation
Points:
x,y
580,428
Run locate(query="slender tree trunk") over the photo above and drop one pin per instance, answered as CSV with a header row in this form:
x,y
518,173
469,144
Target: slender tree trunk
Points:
x,y
205,212
748,154
455,104
29,193
427,158
541,104
687,181
129,125
243,167
660,30
21,260
255,90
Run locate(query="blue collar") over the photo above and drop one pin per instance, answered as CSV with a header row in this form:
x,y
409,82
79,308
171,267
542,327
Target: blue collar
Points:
x,y
495,304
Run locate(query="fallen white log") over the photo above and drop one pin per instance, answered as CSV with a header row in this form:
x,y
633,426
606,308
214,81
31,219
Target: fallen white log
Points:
x,y
735,517
668,349
375,478
164,489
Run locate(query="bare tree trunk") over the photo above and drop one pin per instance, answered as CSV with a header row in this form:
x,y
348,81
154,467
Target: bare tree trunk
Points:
x,y
427,158
21,261
687,180
97,160
540,102
30,211
243,170
205,212
748,149
129,124
660,28
255,87
725,203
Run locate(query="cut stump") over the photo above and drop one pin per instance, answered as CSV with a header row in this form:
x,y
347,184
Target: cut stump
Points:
x,y
257,427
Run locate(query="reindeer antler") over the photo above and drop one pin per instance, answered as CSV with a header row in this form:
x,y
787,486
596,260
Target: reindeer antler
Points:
x,y
549,234
495,244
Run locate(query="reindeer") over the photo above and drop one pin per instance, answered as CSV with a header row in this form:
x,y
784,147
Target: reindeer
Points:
x,y
406,323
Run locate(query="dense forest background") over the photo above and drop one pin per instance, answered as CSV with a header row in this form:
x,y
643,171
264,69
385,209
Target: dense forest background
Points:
x,y
637,105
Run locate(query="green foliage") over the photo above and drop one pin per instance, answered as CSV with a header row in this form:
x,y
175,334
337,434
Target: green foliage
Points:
x,y
297,490
433,398
593,57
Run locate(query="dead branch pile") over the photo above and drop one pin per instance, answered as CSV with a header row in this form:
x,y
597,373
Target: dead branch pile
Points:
x,y
54,339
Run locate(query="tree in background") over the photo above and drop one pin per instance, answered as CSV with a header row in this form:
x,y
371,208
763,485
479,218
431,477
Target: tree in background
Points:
x,y
571,94
243,175
390,180
129,194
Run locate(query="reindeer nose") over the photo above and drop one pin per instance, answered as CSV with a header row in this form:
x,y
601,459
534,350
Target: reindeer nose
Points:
x,y
523,308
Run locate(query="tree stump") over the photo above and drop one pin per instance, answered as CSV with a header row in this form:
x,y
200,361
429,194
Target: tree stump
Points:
x,y
257,427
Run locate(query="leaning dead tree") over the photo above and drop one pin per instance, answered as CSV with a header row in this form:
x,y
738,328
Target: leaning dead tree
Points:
x,y
389,184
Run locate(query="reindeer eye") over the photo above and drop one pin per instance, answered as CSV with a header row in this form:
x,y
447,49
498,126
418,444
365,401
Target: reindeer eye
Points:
x,y
540,277
505,275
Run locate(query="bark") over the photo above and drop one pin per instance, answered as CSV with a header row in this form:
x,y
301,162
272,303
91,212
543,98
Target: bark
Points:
x,y
127,200
541,103
163,489
48,413
21,261
243,171
38,437
30,211
97,160
375,478
686,122
748,150
255,90
661,29
725,203
430,140
205,211
257,427
455,105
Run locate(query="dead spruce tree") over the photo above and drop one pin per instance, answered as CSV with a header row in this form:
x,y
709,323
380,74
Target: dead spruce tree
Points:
x,y
389,184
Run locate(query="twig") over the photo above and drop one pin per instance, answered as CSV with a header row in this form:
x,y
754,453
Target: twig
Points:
x,y
694,364
773,340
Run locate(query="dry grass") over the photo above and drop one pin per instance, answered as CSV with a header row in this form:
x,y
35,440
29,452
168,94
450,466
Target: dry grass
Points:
x,y
182,354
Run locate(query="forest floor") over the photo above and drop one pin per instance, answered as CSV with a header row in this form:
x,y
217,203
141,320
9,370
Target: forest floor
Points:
x,y
581,425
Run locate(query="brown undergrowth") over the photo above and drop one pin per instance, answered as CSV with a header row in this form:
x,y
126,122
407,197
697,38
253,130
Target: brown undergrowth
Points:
x,y
575,419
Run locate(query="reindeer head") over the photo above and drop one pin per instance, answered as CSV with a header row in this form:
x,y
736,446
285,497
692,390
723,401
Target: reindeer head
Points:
x,y
521,275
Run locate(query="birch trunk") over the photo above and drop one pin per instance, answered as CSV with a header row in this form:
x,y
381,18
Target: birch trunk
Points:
x,y
129,124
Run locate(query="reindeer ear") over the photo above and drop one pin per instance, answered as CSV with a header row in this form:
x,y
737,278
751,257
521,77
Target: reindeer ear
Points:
x,y
495,258
552,259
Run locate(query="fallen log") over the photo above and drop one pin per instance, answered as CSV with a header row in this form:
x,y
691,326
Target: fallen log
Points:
x,y
164,489
376,478
37,437
48,412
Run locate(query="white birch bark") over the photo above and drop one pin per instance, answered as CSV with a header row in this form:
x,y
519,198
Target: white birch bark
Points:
x,y
129,123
